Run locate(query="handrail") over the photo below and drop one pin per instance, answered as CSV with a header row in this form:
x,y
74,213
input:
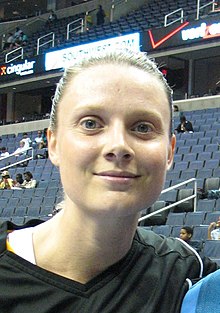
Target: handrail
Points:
x,y
176,20
204,6
18,162
81,27
52,36
194,195
12,52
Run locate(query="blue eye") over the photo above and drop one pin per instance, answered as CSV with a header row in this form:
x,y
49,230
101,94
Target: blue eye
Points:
x,y
142,128
90,124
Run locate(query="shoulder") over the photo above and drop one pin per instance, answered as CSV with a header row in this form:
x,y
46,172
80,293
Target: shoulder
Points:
x,y
164,245
176,250
6,227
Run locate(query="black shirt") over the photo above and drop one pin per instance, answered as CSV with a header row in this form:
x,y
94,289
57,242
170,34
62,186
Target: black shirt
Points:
x,y
151,278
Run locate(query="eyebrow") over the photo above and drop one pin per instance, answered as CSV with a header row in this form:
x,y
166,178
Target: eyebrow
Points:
x,y
102,107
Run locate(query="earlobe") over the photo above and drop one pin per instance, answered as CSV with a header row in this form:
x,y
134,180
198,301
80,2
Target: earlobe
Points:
x,y
171,151
52,147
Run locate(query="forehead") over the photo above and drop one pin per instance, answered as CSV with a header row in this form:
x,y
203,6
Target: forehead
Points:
x,y
112,75
115,84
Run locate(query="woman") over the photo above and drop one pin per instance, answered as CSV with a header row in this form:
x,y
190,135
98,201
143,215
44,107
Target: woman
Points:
x,y
110,135
6,181
28,182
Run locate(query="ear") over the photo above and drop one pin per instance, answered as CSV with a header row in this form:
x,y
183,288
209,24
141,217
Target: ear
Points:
x,y
171,152
52,147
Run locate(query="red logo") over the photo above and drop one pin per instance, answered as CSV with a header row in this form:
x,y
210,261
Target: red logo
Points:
x,y
165,38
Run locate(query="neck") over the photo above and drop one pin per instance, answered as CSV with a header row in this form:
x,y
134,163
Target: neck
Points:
x,y
100,241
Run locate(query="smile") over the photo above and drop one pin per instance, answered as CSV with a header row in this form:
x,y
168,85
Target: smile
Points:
x,y
120,177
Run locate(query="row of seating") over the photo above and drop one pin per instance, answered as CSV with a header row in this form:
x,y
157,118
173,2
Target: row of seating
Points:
x,y
190,162
202,114
192,218
201,156
202,140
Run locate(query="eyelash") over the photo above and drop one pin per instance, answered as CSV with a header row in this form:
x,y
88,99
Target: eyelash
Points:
x,y
91,120
96,125
146,125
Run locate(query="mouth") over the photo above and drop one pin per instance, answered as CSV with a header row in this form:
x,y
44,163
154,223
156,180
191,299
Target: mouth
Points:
x,y
118,176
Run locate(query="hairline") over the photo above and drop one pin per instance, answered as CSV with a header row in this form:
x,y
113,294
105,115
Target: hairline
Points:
x,y
137,60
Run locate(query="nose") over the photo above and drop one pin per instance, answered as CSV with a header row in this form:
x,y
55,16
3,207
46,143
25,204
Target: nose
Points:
x,y
117,148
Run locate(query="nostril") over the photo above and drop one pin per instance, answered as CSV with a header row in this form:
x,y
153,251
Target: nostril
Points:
x,y
118,156
110,155
127,156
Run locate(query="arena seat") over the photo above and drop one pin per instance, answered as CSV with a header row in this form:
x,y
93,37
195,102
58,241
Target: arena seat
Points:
x,y
164,230
211,163
175,231
176,218
212,183
194,218
190,157
211,217
196,165
212,147
206,205
187,174
212,248
169,197
200,232
203,156
20,211
188,204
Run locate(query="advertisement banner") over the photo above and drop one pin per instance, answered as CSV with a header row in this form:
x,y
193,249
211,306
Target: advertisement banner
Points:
x,y
60,58
180,35
21,69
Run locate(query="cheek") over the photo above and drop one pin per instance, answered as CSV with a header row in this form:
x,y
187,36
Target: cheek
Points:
x,y
155,157
76,152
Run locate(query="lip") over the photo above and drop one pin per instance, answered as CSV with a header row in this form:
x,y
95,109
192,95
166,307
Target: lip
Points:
x,y
117,176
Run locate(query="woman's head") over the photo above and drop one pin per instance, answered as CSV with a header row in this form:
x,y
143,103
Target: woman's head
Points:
x,y
186,233
28,176
110,133
138,60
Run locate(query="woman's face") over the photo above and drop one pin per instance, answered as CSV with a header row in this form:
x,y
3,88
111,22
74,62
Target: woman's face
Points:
x,y
112,144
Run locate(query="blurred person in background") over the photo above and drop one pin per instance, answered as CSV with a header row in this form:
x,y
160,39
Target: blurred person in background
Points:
x,y
17,184
184,126
186,233
6,181
214,230
28,182
4,152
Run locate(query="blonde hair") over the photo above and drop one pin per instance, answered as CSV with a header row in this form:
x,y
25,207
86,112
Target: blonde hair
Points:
x,y
139,60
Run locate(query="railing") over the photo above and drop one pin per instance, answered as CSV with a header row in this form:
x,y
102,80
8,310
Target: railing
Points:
x,y
115,3
19,55
26,158
49,41
180,18
199,8
80,25
193,196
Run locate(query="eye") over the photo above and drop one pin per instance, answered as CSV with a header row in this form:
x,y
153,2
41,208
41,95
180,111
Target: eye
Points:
x,y
90,124
142,128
